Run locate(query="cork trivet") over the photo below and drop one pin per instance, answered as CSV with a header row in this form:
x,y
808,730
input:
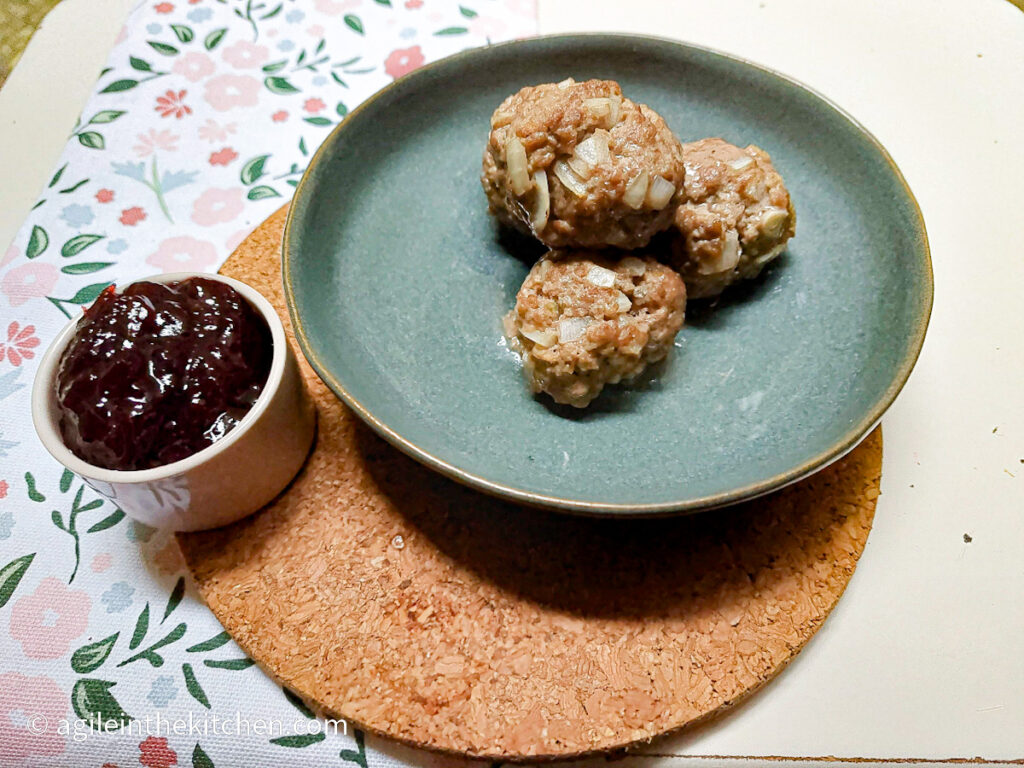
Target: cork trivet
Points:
x,y
427,612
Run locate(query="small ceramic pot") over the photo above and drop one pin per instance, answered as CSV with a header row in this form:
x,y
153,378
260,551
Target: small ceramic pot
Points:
x,y
222,483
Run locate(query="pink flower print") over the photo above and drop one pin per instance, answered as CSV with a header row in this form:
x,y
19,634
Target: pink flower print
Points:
x,y
132,216
317,30
104,196
216,206
226,92
280,116
20,344
487,27
46,621
245,55
313,106
183,254
172,104
194,66
27,281
4,488
403,61
154,753
413,3
153,140
163,7
31,710
334,7
213,131
11,255
223,156
101,562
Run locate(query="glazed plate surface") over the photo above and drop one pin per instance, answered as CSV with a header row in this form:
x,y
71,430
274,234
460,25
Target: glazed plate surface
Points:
x,y
397,279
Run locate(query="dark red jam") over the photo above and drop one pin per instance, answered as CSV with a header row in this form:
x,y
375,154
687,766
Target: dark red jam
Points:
x,y
159,372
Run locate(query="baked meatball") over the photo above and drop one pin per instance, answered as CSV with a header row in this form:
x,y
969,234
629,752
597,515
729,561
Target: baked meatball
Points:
x,y
735,217
582,320
578,165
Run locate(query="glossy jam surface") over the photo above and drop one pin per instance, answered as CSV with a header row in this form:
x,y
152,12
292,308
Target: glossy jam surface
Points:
x,y
159,372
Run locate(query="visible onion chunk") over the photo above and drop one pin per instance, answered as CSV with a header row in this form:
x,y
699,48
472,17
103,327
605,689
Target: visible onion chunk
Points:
x,y
518,171
740,162
539,337
729,257
594,149
600,107
565,84
623,302
569,179
615,110
659,193
636,191
572,328
542,202
773,220
599,276
633,266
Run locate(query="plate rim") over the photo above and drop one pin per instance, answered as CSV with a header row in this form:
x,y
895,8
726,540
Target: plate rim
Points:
x,y
846,443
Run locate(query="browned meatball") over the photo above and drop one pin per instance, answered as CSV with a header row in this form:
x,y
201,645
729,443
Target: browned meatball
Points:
x,y
578,165
582,321
735,217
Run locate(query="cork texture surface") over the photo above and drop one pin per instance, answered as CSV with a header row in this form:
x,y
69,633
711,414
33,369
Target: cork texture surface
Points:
x,y
418,609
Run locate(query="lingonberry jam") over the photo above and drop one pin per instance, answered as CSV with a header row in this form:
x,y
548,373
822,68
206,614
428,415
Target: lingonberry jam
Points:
x,y
159,372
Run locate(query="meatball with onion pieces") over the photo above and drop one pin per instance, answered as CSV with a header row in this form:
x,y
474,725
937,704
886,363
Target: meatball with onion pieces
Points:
x,y
579,166
582,321
736,216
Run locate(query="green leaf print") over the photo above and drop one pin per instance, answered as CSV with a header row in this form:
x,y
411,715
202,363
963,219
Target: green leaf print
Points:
x,y
232,664
176,594
193,686
77,244
163,48
86,268
57,520
253,169
183,33
213,39
383,2
141,626
120,85
94,703
469,13
10,576
150,654
38,242
299,740
106,116
318,121
141,65
73,187
200,759
65,480
91,140
341,109
57,175
208,645
90,657
109,521
358,755
354,22
30,483
88,294
451,31
279,85
299,704
262,192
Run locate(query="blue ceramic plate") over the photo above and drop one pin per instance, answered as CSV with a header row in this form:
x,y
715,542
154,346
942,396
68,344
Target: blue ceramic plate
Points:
x,y
397,278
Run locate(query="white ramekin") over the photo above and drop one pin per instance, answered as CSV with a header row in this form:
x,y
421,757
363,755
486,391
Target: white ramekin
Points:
x,y
221,483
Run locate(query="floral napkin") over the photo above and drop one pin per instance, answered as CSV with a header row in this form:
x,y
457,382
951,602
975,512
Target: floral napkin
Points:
x,y
199,128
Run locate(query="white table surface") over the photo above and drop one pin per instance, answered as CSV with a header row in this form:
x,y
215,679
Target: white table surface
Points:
x,y
923,656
